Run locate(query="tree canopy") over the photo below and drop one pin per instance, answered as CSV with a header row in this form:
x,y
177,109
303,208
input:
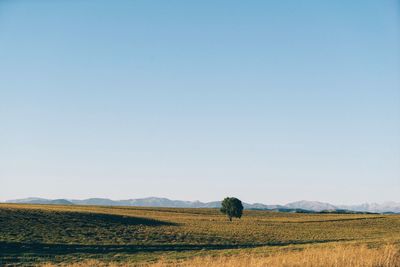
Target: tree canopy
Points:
x,y
232,207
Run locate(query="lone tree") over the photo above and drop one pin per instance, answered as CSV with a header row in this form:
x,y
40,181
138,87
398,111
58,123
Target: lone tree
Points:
x,y
232,207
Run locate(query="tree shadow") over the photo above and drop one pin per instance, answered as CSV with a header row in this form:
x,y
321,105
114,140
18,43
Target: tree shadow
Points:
x,y
10,248
72,218
101,219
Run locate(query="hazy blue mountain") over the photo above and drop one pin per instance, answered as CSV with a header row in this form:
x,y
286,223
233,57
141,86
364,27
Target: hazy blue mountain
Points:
x,y
385,207
158,202
374,207
95,201
27,200
299,206
213,204
60,202
35,200
261,206
311,205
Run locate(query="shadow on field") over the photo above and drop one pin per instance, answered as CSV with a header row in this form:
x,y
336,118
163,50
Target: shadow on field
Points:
x,y
70,218
117,219
13,248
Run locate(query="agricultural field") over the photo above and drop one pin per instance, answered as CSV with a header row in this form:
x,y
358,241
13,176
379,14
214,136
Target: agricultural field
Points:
x,y
95,235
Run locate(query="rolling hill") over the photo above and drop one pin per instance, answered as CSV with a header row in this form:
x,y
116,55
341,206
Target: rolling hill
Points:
x,y
299,206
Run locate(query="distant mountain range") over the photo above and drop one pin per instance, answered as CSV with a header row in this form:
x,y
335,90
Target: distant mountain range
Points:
x,y
299,206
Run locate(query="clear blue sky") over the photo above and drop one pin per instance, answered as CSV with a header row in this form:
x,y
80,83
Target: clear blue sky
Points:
x,y
269,101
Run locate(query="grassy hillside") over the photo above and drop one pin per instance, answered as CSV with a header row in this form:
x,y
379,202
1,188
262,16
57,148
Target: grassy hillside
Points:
x,y
47,233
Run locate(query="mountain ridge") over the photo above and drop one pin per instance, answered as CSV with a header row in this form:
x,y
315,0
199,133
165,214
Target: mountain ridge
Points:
x,y
298,206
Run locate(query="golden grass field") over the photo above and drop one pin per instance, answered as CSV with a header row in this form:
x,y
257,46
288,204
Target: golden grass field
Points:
x,y
331,256
128,236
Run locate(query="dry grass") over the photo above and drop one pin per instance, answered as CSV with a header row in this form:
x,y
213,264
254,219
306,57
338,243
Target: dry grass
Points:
x,y
56,224
334,256
95,235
